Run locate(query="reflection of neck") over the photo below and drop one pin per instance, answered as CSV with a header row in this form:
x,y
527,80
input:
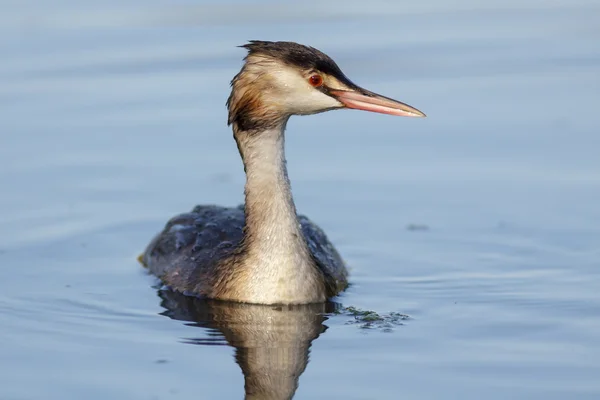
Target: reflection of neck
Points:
x,y
272,348
278,256
272,372
271,343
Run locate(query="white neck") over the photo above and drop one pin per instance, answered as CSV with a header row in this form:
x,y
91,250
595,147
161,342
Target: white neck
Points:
x,y
280,263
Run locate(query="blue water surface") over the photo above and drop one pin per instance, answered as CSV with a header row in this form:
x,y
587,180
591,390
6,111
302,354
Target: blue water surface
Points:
x,y
481,222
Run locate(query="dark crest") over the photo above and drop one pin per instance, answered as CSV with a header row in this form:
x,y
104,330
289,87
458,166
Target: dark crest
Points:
x,y
298,55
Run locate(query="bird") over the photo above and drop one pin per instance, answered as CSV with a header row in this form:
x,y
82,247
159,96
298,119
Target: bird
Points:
x,y
263,251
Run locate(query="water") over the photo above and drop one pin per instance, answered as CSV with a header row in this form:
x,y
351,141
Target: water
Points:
x,y
113,120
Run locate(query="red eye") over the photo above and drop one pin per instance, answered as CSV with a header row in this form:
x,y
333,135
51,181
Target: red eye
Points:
x,y
316,80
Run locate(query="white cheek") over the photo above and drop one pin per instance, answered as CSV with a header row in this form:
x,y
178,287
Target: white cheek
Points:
x,y
314,101
299,97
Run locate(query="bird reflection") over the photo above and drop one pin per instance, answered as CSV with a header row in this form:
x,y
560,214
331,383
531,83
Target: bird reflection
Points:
x,y
272,342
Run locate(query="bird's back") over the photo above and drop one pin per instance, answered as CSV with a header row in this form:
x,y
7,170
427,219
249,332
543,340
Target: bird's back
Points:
x,y
192,250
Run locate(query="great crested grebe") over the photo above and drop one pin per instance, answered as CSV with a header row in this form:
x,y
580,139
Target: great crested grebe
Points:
x,y
262,251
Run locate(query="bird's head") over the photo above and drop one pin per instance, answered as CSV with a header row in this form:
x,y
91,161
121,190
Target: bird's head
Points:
x,y
280,79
